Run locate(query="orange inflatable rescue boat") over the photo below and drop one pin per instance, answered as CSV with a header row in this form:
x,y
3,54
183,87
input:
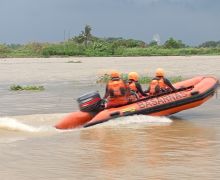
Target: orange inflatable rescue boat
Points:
x,y
191,93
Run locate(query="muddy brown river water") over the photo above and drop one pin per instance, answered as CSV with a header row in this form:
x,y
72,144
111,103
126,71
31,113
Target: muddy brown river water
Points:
x,y
182,146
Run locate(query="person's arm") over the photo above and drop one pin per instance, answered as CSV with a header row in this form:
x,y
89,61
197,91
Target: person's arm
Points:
x,y
139,88
126,83
169,84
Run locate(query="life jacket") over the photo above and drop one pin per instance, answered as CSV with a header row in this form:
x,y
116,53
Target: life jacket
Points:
x,y
161,83
134,94
117,88
118,94
157,85
154,87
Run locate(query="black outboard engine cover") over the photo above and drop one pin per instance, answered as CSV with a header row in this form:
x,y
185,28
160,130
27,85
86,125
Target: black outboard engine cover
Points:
x,y
90,102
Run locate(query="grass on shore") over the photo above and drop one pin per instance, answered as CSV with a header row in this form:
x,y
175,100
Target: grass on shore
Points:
x,y
142,79
26,88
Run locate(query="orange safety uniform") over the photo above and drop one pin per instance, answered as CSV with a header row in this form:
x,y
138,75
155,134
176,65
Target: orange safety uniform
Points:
x,y
160,84
157,85
116,93
154,87
136,91
134,95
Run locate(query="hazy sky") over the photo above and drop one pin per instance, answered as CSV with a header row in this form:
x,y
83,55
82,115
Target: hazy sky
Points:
x,y
192,21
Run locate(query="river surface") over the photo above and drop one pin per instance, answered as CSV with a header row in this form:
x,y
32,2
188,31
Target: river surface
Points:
x,y
182,146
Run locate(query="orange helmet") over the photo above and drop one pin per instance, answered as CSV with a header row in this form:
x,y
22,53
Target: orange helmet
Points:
x,y
133,76
160,72
114,74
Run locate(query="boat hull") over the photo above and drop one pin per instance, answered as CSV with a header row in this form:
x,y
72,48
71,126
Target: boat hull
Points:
x,y
74,119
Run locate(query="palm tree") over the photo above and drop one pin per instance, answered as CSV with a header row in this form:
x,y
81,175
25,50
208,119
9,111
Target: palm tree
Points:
x,y
85,36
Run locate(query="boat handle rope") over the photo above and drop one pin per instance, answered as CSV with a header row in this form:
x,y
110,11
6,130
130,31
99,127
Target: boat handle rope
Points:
x,y
165,93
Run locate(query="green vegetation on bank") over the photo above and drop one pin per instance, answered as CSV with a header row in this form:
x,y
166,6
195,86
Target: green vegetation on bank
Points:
x,y
142,79
85,44
26,88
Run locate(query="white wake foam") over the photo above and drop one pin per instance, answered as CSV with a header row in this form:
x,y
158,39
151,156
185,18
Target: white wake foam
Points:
x,y
139,120
14,125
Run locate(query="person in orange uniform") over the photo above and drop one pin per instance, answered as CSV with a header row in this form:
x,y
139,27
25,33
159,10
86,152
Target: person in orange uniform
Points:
x,y
160,83
135,86
117,91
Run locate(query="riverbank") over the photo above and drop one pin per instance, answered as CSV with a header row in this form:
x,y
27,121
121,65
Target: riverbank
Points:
x,y
98,49
123,52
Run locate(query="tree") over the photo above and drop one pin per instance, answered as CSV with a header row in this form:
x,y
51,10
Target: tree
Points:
x,y
210,44
172,43
153,43
85,36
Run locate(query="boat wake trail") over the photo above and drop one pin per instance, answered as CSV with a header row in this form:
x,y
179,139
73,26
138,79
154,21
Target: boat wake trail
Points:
x,y
139,120
14,125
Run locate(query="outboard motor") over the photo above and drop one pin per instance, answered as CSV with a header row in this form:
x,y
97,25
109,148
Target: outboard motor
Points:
x,y
90,102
